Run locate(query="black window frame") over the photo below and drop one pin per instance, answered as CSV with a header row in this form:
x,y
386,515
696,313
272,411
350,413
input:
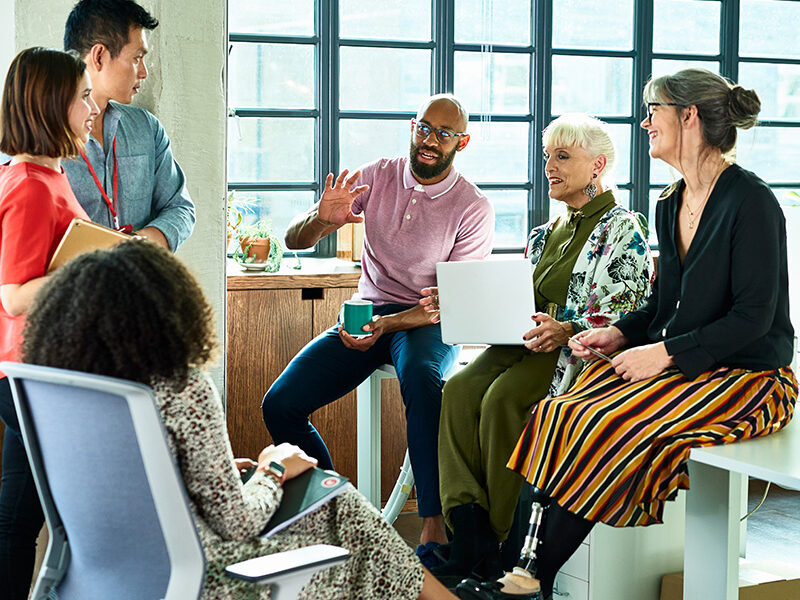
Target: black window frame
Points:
x,y
327,43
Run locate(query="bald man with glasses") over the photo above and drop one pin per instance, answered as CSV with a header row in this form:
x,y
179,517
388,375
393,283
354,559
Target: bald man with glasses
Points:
x,y
417,211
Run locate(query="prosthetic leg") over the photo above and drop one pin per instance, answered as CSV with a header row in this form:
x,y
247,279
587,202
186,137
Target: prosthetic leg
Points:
x,y
521,582
527,558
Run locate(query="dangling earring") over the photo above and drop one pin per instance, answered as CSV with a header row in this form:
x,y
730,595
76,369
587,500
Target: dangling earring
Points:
x,y
591,189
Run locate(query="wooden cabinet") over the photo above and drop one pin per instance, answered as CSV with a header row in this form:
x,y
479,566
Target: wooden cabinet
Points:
x,y
270,317
265,329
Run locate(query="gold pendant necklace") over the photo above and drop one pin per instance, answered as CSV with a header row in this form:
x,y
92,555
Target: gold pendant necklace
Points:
x,y
694,214
691,216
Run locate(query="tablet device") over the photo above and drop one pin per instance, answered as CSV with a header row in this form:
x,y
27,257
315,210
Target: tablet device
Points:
x,y
84,236
486,301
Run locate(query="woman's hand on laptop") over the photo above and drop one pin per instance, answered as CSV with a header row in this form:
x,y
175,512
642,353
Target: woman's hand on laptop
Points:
x,y
430,302
548,335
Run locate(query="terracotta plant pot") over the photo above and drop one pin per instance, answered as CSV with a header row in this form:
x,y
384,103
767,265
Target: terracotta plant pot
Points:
x,y
257,248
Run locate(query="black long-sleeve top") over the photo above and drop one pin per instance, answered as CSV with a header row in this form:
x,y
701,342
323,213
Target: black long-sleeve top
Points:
x,y
728,303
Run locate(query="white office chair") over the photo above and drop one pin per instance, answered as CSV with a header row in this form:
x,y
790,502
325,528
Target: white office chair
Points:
x,y
119,519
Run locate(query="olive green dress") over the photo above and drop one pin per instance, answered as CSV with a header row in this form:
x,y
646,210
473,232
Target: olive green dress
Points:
x,y
486,405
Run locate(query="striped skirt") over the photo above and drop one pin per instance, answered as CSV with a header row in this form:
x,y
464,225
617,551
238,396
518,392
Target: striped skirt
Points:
x,y
614,451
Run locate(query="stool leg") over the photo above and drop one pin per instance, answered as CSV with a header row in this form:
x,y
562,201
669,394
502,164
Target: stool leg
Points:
x,y
402,488
368,438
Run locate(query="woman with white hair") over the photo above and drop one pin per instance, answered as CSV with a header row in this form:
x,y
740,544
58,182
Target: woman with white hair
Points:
x,y
591,265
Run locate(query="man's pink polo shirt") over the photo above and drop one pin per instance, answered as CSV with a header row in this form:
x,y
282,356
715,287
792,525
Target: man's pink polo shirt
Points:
x,y
409,227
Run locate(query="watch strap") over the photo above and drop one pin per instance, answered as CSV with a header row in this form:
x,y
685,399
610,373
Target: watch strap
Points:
x,y
275,469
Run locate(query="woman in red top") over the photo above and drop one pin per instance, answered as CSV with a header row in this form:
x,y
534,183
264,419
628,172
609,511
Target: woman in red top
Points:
x,y
46,115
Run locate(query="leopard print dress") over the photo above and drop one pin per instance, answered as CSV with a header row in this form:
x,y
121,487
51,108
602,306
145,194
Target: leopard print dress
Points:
x,y
229,515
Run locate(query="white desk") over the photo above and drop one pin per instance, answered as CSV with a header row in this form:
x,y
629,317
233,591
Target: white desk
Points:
x,y
711,567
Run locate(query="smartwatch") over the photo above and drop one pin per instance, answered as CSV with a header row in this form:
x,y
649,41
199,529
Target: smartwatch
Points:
x,y
275,469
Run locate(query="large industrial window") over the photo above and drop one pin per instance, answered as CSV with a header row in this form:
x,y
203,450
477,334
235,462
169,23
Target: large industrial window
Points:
x,y
318,86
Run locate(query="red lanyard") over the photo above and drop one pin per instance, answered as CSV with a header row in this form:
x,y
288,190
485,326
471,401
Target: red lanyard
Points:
x,y
112,206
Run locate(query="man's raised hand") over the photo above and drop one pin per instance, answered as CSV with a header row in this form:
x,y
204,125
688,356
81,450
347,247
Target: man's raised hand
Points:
x,y
335,205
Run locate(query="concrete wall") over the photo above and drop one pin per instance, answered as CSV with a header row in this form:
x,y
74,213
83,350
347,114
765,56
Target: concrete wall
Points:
x,y
6,36
185,90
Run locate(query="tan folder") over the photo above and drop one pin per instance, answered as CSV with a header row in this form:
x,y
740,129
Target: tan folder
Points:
x,y
84,236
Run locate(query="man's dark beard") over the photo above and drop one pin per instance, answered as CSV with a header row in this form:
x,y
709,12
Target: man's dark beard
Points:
x,y
425,171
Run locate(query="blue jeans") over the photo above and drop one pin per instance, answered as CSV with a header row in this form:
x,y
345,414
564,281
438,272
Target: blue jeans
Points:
x,y
21,515
325,370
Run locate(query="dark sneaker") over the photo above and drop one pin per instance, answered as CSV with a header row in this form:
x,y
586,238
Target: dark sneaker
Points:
x,y
507,588
427,555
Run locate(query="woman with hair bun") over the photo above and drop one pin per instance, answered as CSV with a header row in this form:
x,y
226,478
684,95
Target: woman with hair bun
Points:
x,y
703,362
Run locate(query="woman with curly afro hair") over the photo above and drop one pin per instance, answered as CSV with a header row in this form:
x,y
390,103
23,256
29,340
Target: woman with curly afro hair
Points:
x,y
135,312
130,313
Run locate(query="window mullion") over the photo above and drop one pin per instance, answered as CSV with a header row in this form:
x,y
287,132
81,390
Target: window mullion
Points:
x,y
443,30
541,104
729,39
642,68
328,101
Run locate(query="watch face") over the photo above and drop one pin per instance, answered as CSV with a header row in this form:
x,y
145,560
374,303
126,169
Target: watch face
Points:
x,y
276,469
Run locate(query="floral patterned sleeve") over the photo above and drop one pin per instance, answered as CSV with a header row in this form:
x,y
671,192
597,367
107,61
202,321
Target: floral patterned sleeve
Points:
x,y
615,277
198,435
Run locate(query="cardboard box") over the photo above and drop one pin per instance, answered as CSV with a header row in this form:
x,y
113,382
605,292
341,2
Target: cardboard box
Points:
x,y
765,580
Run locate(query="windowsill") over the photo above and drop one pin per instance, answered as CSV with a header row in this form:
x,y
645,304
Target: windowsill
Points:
x,y
314,272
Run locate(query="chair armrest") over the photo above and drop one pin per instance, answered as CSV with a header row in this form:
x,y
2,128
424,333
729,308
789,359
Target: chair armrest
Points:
x,y
273,566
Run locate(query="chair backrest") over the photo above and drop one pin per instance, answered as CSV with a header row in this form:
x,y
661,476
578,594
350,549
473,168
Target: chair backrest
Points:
x,y
119,519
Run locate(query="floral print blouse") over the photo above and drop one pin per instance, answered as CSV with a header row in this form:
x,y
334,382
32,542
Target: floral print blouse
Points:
x,y
612,276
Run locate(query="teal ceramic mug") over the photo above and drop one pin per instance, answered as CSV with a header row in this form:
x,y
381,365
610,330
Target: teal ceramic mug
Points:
x,y
355,314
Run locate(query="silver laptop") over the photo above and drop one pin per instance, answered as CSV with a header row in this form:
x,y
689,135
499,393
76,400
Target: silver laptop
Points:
x,y
486,301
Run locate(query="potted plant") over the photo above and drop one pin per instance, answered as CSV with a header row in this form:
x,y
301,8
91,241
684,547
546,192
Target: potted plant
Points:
x,y
236,208
259,246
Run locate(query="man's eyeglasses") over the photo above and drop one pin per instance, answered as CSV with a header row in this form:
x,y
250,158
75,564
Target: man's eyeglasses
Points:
x,y
650,106
445,136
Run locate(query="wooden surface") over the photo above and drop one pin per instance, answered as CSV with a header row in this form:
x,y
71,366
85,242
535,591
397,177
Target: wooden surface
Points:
x,y
336,422
316,273
266,328
269,321
277,281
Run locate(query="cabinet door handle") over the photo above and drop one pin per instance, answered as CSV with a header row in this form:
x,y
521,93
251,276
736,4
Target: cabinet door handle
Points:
x,y
557,592
312,293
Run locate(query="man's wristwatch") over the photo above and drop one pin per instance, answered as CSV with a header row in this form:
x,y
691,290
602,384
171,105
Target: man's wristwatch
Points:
x,y
275,469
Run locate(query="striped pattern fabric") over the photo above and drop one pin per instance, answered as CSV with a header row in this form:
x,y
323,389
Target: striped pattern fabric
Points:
x,y
614,451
